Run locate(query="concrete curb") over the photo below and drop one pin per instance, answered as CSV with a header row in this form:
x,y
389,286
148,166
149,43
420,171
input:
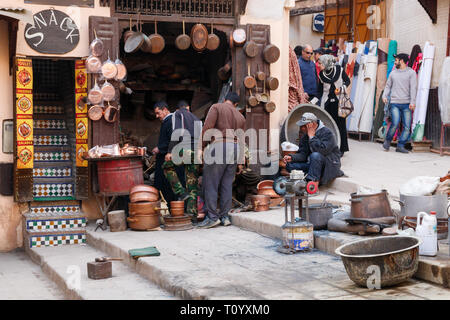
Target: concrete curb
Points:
x,y
157,276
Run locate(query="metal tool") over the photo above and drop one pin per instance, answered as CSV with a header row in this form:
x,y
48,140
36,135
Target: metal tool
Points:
x,y
104,259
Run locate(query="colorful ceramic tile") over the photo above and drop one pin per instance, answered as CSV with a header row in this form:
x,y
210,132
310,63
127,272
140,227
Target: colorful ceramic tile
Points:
x,y
50,124
51,156
52,190
55,240
53,140
55,224
51,210
52,172
49,109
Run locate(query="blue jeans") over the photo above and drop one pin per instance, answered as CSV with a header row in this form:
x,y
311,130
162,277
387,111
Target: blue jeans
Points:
x,y
313,167
403,113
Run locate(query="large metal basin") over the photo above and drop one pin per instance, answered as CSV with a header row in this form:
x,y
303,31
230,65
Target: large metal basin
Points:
x,y
396,256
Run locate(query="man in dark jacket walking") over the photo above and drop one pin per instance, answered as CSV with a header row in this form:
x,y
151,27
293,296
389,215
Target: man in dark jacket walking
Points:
x,y
318,155
183,144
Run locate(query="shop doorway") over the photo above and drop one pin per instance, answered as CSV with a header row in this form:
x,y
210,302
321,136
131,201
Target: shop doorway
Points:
x,y
171,75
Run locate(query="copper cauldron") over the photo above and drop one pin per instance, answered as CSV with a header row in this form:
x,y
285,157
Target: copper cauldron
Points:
x,y
260,202
370,205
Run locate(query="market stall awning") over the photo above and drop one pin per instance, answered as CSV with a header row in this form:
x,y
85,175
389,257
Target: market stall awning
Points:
x,y
17,13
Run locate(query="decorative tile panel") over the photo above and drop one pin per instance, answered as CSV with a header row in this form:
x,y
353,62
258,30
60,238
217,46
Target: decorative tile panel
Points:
x,y
52,190
49,109
54,210
51,156
55,240
50,124
53,140
52,172
55,224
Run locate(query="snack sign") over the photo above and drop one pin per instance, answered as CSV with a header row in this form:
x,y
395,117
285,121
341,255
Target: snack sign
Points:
x,y
53,31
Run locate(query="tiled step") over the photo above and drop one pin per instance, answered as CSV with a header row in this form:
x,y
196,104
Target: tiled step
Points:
x,y
48,109
54,209
52,172
63,223
50,239
51,140
45,156
49,124
53,191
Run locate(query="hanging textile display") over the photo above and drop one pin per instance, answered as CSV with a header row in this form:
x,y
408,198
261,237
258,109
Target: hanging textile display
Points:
x,y
296,93
423,90
368,94
391,53
383,48
444,92
24,113
81,119
415,58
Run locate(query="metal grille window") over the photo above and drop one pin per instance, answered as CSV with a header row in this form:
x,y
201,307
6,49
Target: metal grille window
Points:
x,y
185,8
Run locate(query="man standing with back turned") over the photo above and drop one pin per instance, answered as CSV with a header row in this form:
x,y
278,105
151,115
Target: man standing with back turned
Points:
x,y
218,175
401,88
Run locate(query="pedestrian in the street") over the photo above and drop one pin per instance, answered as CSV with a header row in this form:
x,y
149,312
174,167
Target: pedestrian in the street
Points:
x,y
317,54
401,90
163,114
220,159
183,124
318,155
332,78
308,71
298,51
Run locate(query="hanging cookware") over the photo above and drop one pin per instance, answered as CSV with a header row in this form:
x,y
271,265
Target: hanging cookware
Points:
x,y
271,53
108,91
238,37
213,40
158,42
95,112
95,95
260,75
109,69
183,41
111,113
127,33
199,37
272,83
252,101
251,49
93,64
121,69
97,46
263,97
134,41
270,106
249,81
147,44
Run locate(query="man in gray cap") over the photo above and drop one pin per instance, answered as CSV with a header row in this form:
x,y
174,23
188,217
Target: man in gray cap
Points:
x,y
318,155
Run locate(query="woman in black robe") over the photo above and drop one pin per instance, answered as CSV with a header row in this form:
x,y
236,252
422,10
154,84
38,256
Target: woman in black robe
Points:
x,y
332,77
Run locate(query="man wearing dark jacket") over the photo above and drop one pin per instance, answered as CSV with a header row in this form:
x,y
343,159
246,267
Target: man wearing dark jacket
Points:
x,y
182,145
318,155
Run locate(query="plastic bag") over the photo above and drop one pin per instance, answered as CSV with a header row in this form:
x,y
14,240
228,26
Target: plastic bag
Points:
x,y
95,95
420,186
108,91
364,191
288,146
96,46
109,69
93,64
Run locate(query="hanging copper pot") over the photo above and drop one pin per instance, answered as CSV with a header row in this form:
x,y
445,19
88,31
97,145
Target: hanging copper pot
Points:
x,y
249,81
183,41
127,33
158,42
271,53
135,40
252,101
95,112
272,83
111,113
199,37
260,75
238,37
213,40
251,49
270,107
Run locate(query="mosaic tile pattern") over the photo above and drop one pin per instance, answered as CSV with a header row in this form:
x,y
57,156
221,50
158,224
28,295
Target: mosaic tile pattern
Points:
x,y
55,240
54,140
55,210
48,109
52,190
52,172
55,224
51,156
50,124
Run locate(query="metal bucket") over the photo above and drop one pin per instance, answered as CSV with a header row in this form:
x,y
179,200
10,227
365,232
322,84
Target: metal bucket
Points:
x,y
319,214
119,176
298,235
411,205
395,257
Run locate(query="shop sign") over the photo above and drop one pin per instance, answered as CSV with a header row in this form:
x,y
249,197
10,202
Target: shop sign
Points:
x,y
53,32
318,22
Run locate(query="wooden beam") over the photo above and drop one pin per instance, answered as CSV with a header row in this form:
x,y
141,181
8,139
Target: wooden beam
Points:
x,y
310,10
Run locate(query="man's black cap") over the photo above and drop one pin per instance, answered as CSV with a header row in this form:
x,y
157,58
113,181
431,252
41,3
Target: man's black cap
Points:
x,y
402,56
233,97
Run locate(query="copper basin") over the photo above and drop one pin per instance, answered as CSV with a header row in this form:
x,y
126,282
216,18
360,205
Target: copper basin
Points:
x,y
370,205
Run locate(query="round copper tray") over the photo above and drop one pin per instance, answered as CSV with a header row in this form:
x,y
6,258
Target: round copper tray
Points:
x,y
178,223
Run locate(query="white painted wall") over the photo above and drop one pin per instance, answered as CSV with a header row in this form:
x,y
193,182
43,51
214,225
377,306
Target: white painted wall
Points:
x,y
301,32
409,24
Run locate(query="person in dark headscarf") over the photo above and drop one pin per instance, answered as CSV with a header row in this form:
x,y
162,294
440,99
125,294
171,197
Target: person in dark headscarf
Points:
x,y
298,51
331,80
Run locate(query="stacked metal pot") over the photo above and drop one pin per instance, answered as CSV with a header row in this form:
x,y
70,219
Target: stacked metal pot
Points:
x,y
178,220
266,197
144,208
